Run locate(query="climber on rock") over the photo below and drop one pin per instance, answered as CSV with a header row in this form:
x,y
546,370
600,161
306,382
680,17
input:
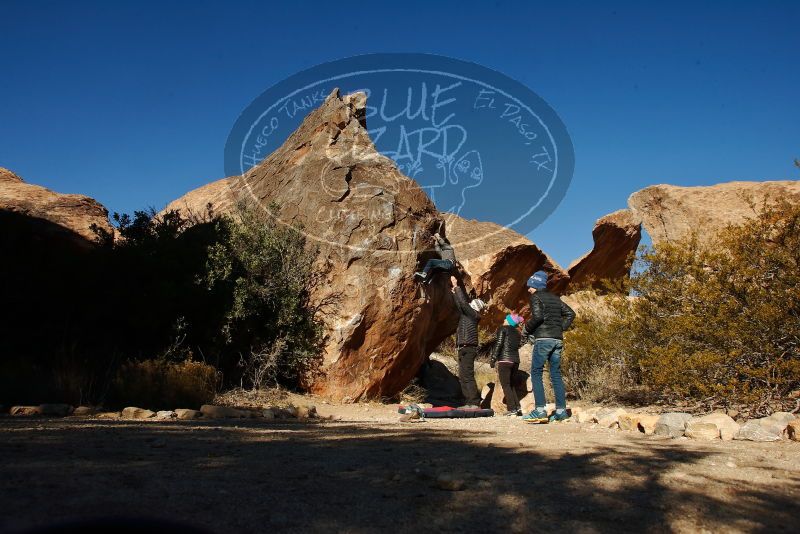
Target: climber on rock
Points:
x,y
445,263
467,342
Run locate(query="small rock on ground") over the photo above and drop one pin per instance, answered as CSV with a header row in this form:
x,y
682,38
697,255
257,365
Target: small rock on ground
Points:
x,y
700,430
186,413
450,483
132,412
672,424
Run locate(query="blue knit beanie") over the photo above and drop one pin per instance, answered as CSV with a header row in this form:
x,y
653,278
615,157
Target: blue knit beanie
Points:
x,y
538,280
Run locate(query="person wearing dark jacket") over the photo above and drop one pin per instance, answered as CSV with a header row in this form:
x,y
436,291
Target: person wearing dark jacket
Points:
x,y
505,356
550,317
467,342
445,263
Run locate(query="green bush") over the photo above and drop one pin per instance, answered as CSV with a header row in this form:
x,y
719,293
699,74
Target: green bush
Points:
x,y
232,291
268,270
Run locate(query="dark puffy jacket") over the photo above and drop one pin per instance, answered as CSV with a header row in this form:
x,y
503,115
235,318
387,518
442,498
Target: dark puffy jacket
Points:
x,y
549,316
506,348
445,250
467,332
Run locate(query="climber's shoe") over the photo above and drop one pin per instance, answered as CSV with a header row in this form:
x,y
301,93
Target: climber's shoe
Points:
x,y
537,416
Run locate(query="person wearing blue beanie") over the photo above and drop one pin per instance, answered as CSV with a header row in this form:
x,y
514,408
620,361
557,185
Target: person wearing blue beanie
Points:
x,y
550,316
538,280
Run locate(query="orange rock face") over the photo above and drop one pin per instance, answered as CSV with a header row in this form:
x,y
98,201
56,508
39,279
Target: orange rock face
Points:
x,y
373,226
670,212
62,216
616,237
498,262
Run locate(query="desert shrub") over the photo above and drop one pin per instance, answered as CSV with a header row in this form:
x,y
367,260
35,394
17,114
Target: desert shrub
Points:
x,y
718,324
204,287
269,273
160,384
598,361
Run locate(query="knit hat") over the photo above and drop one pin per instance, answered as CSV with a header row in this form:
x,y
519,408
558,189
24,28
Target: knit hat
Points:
x,y
513,319
478,305
538,280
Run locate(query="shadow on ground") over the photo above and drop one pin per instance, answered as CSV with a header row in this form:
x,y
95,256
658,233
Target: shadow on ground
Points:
x,y
347,477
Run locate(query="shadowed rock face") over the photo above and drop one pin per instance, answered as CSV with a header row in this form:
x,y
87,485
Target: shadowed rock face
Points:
x,y
372,224
616,237
72,216
671,213
498,262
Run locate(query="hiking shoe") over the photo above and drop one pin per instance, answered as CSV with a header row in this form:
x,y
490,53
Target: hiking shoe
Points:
x,y
420,276
469,407
559,416
536,416
513,413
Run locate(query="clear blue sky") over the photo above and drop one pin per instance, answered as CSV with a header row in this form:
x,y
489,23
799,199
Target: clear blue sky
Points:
x,y
131,102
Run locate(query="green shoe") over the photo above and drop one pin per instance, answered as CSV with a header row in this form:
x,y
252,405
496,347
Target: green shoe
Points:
x,y
537,416
559,415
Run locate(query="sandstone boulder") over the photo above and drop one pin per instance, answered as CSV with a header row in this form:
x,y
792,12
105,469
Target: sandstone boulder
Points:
x,y
793,430
670,212
25,410
629,421
222,412
166,415
672,424
725,424
781,418
441,383
497,262
83,411
187,414
132,412
616,237
587,415
373,227
608,417
765,429
307,411
60,216
647,423
9,176
696,429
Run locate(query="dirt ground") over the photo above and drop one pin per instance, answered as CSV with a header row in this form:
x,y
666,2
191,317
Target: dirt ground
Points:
x,y
366,472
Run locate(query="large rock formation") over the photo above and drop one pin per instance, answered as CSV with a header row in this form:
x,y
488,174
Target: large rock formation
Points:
x,y
497,263
616,237
58,216
217,196
372,225
670,212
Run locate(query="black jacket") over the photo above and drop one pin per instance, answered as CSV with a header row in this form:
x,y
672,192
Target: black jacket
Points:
x,y
506,348
550,317
445,250
467,332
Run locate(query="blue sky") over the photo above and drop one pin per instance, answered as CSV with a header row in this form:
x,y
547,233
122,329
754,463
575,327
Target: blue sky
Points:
x,y
131,103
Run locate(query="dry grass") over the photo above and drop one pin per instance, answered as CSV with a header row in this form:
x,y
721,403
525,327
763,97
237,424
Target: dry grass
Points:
x,y
253,398
158,384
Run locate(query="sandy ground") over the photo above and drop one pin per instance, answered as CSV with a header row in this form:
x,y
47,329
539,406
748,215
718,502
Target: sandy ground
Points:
x,y
367,472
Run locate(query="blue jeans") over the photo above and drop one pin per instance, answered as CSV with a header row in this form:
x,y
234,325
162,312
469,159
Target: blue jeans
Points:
x,y
547,350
